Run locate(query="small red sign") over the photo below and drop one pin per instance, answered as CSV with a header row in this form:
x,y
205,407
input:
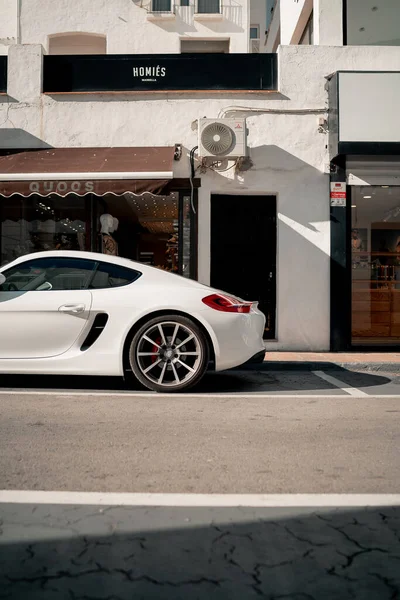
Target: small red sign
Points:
x,y
338,193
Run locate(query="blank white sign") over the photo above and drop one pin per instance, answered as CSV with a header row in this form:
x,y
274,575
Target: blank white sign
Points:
x,y
369,107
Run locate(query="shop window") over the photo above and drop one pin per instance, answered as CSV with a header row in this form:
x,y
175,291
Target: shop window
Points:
x,y
155,230
147,228
34,224
77,43
375,247
372,22
205,46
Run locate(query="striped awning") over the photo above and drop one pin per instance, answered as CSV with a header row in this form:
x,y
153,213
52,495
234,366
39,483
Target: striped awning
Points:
x,y
82,171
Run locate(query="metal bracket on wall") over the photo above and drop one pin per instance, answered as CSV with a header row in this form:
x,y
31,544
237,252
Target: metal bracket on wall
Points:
x,y
178,152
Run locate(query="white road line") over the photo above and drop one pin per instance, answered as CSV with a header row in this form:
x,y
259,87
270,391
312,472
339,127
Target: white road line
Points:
x,y
155,396
340,384
198,500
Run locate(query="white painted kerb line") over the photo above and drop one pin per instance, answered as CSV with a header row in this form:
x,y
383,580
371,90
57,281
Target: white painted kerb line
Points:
x,y
204,395
198,500
340,384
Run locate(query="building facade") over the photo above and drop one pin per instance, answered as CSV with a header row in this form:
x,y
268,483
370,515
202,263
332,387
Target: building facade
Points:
x,y
101,113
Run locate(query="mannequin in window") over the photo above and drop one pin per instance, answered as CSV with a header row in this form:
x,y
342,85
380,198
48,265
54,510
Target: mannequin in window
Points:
x,y
108,244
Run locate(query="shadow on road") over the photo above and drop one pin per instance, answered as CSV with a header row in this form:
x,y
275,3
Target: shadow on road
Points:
x,y
118,553
249,379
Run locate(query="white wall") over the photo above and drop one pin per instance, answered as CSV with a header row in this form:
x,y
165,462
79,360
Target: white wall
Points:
x,y
274,29
77,43
328,22
290,18
126,25
258,16
289,154
8,24
294,17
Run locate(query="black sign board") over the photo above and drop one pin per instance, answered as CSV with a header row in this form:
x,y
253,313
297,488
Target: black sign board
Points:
x,y
135,72
3,74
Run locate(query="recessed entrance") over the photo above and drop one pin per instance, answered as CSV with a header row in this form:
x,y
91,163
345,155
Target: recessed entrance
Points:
x,y
243,250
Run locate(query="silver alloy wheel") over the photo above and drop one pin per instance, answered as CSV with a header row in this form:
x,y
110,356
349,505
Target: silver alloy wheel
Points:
x,y
169,354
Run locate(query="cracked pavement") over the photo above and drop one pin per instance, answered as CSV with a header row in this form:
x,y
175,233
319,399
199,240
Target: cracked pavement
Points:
x,y
118,553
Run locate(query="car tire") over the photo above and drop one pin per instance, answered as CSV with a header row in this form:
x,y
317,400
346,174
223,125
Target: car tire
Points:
x,y
169,354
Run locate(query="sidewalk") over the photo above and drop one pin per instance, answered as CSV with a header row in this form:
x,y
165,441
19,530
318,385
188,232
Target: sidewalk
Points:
x,y
359,361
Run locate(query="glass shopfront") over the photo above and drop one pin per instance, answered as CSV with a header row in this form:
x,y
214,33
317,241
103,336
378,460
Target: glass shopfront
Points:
x,y
375,252
155,230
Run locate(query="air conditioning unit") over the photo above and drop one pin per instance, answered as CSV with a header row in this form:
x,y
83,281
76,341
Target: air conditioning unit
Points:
x,y
222,138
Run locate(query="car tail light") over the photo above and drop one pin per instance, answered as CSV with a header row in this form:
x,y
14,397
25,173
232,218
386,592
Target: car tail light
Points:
x,y
227,303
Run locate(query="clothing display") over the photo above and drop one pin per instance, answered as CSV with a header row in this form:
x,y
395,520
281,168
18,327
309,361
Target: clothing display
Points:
x,y
108,225
108,245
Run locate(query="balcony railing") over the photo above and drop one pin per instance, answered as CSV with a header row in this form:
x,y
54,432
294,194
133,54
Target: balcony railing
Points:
x,y
202,7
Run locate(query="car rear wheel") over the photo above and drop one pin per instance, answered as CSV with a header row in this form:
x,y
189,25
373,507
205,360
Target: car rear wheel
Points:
x,y
169,354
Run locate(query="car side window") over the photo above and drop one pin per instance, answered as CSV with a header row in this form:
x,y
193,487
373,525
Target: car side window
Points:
x,y
51,273
109,275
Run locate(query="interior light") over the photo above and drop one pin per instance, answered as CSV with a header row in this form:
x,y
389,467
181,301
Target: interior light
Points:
x,y
354,206
384,187
367,196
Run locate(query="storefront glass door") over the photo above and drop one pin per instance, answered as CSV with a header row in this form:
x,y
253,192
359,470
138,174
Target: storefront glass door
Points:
x,y
375,261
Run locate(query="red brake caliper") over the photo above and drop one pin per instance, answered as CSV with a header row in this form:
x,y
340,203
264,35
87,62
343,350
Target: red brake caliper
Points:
x,y
155,348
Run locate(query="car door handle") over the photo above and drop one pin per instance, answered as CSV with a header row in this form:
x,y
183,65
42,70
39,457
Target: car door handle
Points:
x,y
74,309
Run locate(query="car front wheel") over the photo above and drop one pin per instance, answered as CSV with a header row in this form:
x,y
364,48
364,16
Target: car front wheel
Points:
x,y
169,354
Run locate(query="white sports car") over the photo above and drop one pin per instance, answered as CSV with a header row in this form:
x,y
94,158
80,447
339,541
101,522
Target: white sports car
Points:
x,y
82,313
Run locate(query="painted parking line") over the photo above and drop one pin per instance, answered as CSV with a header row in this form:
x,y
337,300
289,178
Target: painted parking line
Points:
x,y
353,391
158,396
197,500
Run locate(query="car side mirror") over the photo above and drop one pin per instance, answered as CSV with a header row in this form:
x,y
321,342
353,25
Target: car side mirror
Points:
x,y
2,278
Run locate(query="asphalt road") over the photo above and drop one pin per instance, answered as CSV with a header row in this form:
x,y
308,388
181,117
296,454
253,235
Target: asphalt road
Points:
x,y
286,432
206,443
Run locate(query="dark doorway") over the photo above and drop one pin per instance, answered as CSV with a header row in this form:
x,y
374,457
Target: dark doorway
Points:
x,y
243,250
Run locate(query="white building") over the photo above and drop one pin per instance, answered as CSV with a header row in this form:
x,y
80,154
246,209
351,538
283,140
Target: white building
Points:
x,y
112,129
